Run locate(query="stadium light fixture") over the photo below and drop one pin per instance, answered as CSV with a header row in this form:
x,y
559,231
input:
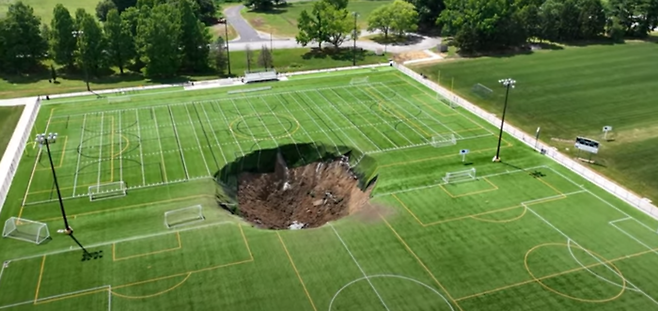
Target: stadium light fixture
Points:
x,y
47,139
508,84
354,39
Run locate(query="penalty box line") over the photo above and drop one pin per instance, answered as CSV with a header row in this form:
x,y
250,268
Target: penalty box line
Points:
x,y
613,223
64,296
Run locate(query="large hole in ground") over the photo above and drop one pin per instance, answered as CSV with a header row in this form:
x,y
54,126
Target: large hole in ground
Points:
x,y
296,186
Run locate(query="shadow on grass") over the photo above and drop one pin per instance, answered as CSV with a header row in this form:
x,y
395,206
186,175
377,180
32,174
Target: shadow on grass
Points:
x,y
397,40
335,54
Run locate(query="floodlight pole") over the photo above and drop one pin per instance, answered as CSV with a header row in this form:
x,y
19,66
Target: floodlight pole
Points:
x,y
354,39
228,52
508,83
45,140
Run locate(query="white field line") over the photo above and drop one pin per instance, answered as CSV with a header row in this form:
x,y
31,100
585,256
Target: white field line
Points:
x,y
100,152
329,119
141,151
359,266
590,254
2,270
348,119
259,119
422,110
390,124
410,117
53,297
120,149
320,128
633,237
285,106
109,298
133,238
180,147
212,129
573,256
228,124
189,117
77,167
362,117
280,123
157,131
618,220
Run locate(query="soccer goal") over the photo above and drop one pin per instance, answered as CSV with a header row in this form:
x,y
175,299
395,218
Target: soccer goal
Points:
x,y
107,190
356,81
460,176
25,230
183,216
481,90
443,140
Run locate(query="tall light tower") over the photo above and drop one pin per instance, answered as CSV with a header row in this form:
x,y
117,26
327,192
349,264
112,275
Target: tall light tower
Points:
x,y
507,83
354,39
47,139
228,52
78,35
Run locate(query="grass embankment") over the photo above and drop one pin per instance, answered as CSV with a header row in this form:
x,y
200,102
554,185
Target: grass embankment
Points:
x,y
284,61
8,118
575,92
282,21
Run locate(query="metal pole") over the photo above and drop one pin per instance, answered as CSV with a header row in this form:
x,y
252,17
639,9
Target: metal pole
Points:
x,y
228,53
59,195
354,39
502,122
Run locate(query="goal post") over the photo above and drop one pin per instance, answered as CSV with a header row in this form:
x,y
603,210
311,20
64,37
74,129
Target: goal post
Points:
x,y
356,81
443,140
481,90
107,190
183,216
459,176
25,230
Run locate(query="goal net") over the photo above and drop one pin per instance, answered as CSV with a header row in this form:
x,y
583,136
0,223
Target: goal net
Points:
x,y
183,216
443,140
355,81
460,176
449,101
107,191
25,230
481,90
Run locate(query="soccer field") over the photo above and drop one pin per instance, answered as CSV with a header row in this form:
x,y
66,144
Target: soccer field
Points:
x,y
524,234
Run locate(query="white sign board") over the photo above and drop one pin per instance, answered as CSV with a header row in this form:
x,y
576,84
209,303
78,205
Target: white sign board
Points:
x,y
607,128
586,144
464,151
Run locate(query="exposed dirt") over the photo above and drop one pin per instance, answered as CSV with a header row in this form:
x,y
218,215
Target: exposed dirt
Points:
x,y
308,196
402,57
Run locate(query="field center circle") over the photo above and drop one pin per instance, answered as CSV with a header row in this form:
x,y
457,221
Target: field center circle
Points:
x,y
599,257
393,276
264,126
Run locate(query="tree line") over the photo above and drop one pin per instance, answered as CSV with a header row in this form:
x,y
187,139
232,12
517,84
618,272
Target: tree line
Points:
x,y
161,37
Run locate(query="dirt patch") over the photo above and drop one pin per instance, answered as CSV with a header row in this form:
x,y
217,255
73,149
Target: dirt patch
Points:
x,y
302,197
256,22
403,57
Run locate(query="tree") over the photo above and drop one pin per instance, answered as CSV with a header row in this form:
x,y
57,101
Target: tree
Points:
x,y
405,18
91,44
122,5
638,17
428,11
381,19
250,57
22,46
206,11
265,58
259,5
339,4
62,42
120,44
103,7
219,57
194,39
53,73
159,39
325,23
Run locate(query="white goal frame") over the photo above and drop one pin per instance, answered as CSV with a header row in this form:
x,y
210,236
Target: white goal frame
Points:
x,y
37,232
460,176
186,216
356,81
107,190
443,140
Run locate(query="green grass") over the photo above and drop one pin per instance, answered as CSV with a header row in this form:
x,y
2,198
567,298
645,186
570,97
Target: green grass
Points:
x,y
285,60
575,92
483,244
44,8
282,21
8,118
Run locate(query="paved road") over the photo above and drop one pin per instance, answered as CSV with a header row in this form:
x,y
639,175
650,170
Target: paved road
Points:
x,y
249,36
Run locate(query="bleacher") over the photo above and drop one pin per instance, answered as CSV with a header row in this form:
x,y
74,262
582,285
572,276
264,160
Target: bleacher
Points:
x,y
250,77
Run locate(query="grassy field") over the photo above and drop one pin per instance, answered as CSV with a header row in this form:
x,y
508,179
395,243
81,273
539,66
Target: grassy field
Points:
x,y
525,228
575,92
282,22
8,118
44,8
285,60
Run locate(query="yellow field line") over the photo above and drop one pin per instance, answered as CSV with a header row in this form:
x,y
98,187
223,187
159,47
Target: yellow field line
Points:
x,y
71,296
112,151
550,186
36,294
421,263
180,245
34,169
417,97
308,295
470,193
155,294
432,158
381,103
244,238
408,210
556,274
